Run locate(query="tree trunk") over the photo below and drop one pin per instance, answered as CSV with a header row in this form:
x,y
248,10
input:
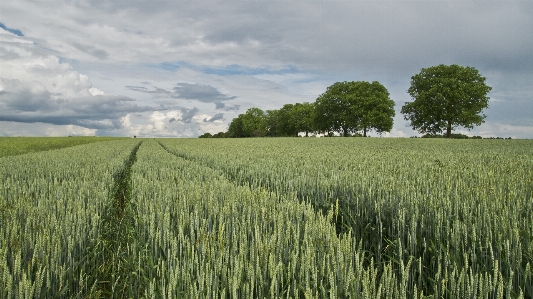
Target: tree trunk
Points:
x,y
364,131
306,133
345,132
449,130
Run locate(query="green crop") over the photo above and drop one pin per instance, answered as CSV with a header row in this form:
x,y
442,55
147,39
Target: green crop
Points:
x,y
51,205
10,146
458,212
269,218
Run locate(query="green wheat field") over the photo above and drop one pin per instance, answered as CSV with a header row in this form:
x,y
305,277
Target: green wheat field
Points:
x,y
91,217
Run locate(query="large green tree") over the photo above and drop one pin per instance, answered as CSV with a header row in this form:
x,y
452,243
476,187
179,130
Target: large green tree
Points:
x,y
333,111
290,120
285,125
348,107
374,107
445,97
253,123
235,129
302,117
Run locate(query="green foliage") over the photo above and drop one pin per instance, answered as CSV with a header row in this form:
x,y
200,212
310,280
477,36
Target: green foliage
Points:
x,y
348,107
376,107
333,110
220,135
251,124
116,273
205,135
217,135
254,123
280,122
236,129
446,97
302,116
453,136
290,120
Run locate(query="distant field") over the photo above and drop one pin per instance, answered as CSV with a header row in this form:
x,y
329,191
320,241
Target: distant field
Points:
x,y
269,218
10,146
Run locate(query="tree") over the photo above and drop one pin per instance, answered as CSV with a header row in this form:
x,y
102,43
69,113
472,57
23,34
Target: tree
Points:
x,y
445,97
373,104
205,135
220,135
250,124
333,112
285,126
301,117
348,107
272,123
254,123
235,129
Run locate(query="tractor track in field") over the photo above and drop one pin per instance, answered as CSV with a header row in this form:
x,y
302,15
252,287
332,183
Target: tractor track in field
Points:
x,y
112,275
342,224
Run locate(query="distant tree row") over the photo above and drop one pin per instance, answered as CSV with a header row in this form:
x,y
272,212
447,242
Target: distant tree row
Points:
x,y
346,108
459,136
444,97
290,120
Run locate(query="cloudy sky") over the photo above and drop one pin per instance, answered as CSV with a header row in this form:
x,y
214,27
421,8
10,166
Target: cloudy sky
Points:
x,y
182,68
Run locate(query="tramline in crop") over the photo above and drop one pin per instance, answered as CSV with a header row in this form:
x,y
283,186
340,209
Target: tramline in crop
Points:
x,y
269,218
459,210
50,212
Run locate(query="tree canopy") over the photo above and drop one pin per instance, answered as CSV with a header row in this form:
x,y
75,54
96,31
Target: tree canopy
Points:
x,y
345,107
301,117
445,97
280,123
349,107
251,124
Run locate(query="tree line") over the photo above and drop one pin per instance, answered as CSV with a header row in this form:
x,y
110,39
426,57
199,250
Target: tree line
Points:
x,y
444,97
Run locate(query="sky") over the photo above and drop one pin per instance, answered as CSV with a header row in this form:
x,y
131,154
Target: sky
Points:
x,y
165,68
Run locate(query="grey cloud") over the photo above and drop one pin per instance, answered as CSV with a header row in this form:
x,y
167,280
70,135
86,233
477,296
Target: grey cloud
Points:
x,y
364,36
394,37
20,102
202,93
221,105
388,41
188,114
156,91
512,111
95,52
18,96
218,116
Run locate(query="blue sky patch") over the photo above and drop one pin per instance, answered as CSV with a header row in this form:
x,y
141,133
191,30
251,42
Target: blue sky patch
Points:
x,y
235,69
14,31
169,66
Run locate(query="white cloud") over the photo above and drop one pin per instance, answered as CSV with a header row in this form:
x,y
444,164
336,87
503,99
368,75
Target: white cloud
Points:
x,y
37,88
34,66
43,129
95,91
